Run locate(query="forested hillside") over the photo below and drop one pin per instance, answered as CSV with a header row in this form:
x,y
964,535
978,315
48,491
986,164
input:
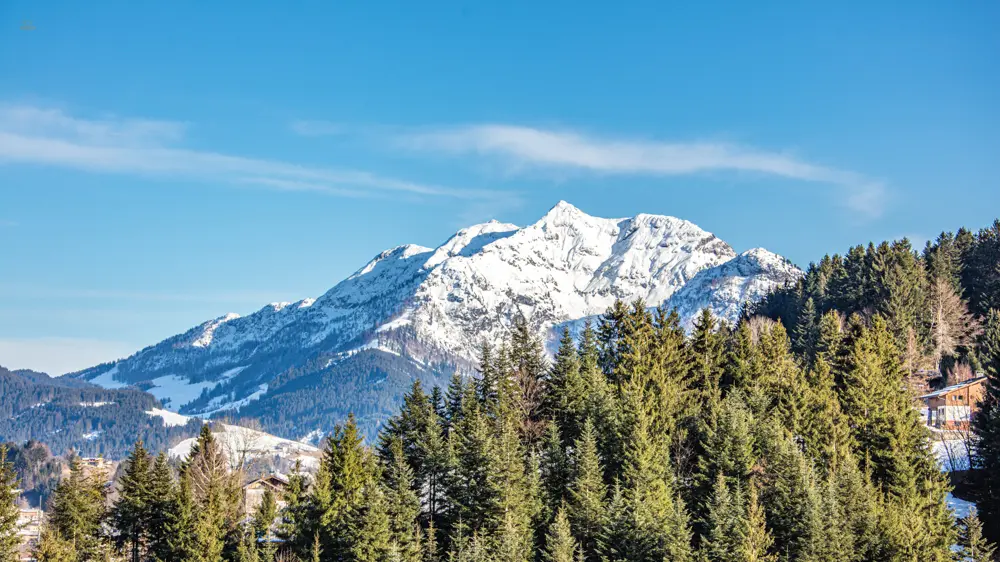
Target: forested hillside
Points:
x,y
638,443
72,414
933,301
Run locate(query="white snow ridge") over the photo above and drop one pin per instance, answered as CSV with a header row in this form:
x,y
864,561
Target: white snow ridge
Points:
x,y
434,306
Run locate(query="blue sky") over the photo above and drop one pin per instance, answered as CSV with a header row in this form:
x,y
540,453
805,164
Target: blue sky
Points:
x,y
164,164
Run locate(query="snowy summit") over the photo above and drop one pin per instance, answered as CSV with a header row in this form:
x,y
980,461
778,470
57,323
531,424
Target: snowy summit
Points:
x,y
433,307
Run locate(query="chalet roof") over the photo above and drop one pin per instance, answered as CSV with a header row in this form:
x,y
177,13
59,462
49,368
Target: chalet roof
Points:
x,y
954,387
280,479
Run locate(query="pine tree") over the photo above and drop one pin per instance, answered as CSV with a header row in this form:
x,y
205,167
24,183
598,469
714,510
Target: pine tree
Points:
x,y
9,538
163,501
755,540
723,519
708,357
975,548
986,425
51,547
403,504
807,330
181,538
559,543
566,399
554,470
76,510
586,506
216,495
132,514
264,516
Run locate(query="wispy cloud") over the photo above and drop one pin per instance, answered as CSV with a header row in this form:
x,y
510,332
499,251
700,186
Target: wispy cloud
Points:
x,y
57,356
525,147
45,136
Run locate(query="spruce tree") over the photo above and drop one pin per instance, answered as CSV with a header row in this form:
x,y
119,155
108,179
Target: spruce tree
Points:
x,y
722,522
51,547
9,538
181,526
76,510
263,520
807,330
755,541
559,543
566,399
986,425
215,491
403,504
554,470
707,357
975,547
587,503
132,514
163,501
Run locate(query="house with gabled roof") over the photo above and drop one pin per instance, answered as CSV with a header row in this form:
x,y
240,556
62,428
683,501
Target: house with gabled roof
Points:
x,y
954,407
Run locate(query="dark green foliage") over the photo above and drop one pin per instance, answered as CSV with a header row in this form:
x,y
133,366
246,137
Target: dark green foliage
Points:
x,y
975,547
559,543
76,510
9,539
65,410
369,384
987,428
132,514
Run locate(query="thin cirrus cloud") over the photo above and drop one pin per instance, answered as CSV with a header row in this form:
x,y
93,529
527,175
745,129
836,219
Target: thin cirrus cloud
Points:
x,y
46,136
525,147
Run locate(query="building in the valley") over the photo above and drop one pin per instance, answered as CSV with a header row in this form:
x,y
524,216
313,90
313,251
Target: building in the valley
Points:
x,y
953,407
253,491
29,528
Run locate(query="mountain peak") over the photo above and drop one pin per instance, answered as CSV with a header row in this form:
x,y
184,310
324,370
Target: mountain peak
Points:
x,y
431,309
563,209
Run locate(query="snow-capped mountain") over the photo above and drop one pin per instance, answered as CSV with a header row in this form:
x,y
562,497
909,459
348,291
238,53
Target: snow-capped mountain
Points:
x,y
431,308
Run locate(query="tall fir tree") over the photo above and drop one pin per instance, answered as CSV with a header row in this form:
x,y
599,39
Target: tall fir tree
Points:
x,y
755,540
77,509
10,538
975,547
403,505
986,426
216,494
163,502
587,495
132,514
560,546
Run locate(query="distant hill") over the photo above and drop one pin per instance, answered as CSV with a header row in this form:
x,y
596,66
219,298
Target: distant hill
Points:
x,y
66,413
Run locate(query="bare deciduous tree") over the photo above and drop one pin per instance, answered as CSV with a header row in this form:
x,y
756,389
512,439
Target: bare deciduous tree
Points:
x,y
952,326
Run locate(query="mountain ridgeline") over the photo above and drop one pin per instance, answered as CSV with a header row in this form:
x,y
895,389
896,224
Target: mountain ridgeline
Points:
x,y
422,313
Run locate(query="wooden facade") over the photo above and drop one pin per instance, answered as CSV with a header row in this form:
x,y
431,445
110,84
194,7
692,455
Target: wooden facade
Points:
x,y
953,407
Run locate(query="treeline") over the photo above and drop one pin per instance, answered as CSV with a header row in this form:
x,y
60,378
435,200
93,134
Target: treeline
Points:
x,y
637,444
370,384
933,301
69,414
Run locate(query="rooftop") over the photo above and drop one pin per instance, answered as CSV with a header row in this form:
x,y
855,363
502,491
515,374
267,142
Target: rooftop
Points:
x,y
954,387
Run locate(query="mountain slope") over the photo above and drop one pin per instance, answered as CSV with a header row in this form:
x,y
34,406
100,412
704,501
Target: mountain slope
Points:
x,y
73,414
422,312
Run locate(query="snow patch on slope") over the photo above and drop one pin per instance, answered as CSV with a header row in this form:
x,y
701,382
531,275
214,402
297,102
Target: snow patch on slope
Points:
x,y
170,419
257,444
